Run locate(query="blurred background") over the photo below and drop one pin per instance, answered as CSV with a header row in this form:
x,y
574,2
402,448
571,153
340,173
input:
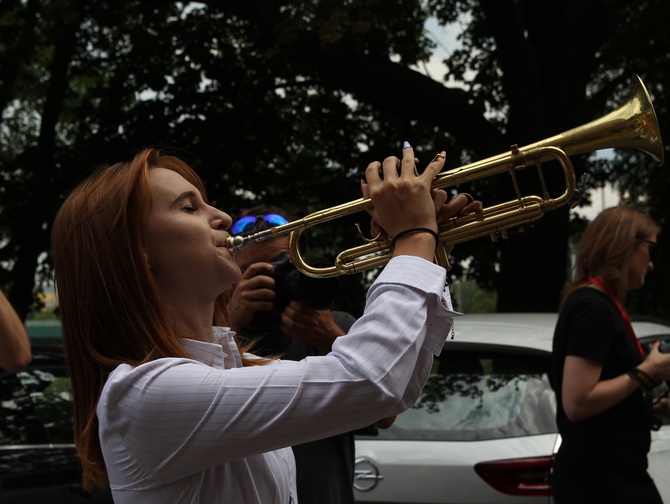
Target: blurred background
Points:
x,y
286,103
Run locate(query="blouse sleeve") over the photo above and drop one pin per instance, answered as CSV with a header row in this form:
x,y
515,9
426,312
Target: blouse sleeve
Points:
x,y
181,415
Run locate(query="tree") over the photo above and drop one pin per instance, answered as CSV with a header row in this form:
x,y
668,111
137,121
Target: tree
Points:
x,y
552,66
294,99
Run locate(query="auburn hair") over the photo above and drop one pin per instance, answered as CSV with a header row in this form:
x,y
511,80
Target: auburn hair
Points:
x,y
110,308
606,246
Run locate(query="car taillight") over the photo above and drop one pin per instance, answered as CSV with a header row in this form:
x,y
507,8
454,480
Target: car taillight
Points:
x,y
527,476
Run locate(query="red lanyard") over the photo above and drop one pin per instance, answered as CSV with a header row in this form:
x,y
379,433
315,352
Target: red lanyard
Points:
x,y
621,310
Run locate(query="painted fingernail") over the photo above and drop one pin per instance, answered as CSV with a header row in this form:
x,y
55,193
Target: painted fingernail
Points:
x,y
406,145
441,155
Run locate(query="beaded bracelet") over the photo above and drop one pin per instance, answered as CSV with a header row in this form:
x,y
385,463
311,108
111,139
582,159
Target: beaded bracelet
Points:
x,y
643,378
416,230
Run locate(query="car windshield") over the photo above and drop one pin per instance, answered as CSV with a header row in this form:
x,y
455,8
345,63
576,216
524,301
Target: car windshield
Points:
x,y
473,395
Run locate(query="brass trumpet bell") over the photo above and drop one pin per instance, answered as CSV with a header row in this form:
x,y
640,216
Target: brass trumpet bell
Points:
x,y
632,125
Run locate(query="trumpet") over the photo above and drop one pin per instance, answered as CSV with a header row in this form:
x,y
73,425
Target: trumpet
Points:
x,y
632,125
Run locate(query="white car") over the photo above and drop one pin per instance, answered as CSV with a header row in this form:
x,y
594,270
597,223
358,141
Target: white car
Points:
x,y
483,430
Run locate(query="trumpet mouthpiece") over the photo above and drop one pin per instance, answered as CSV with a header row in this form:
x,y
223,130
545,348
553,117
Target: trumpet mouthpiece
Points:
x,y
236,243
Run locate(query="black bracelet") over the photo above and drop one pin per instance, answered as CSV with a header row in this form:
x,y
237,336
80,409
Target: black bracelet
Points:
x,y
416,230
643,378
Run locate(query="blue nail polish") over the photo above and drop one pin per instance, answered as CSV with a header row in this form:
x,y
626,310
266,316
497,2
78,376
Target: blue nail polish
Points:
x,y
406,145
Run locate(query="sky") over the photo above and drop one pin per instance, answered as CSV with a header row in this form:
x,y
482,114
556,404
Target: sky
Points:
x,y
600,200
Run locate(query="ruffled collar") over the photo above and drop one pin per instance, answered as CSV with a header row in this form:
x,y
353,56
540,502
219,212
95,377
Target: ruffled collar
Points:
x,y
221,353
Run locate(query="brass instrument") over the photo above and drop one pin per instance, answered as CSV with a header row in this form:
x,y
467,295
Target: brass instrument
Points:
x,y
632,125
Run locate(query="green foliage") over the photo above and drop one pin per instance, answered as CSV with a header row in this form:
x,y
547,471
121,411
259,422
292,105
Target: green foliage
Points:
x,y
288,102
468,297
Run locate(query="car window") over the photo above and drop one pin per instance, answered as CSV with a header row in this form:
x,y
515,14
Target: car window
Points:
x,y
473,395
35,407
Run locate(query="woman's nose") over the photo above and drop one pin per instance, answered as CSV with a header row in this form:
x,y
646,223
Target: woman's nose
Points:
x,y
221,220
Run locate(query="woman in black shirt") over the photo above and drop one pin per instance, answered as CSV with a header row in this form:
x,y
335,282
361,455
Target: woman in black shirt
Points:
x,y
599,371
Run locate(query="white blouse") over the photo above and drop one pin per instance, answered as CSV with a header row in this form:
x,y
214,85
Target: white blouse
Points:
x,y
207,430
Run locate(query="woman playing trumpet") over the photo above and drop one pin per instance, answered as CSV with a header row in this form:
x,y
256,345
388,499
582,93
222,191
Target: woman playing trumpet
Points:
x,y
167,407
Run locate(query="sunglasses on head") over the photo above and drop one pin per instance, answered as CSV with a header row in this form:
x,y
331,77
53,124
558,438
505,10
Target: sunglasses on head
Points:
x,y
652,245
248,222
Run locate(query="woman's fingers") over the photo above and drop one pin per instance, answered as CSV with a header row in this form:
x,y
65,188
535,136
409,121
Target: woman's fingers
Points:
x,y
435,166
461,204
439,199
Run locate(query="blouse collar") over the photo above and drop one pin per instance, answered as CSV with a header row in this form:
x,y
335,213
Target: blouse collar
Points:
x,y
222,353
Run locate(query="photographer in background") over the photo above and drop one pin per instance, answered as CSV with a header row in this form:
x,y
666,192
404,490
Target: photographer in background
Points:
x,y
269,283
288,315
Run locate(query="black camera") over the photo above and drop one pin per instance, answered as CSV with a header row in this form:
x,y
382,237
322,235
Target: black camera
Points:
x,y
290,285
665,347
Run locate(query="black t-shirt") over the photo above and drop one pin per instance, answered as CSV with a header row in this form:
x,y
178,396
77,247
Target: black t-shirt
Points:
x,y
591,326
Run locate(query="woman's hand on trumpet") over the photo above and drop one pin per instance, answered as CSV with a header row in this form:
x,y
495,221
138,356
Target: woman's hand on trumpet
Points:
x,y
403,201
461,204
406,208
